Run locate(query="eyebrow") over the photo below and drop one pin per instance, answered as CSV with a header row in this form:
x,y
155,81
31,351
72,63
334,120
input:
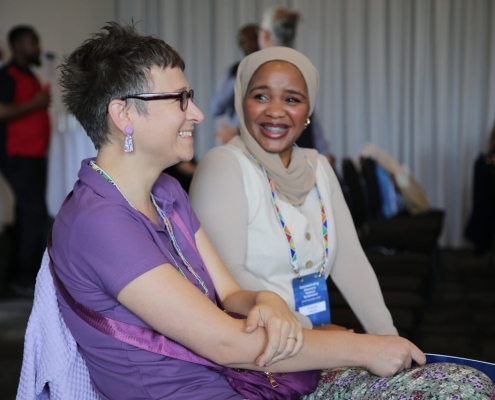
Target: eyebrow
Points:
x,y
258,88
295,92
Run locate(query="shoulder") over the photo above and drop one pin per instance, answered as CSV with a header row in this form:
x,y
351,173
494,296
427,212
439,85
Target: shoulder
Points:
x,y
7,83
328,172
87,222
322,164
87,213
220,158
218,172
224,151
325,165
103,241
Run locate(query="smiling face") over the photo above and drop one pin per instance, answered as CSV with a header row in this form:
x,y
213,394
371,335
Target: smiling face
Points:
x,y
165,132
276,106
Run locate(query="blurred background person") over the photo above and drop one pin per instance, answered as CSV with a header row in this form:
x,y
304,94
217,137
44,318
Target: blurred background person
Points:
x,y
24,140
222,99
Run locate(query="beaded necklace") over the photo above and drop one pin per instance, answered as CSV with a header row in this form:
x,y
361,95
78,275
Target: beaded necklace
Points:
x,y
168,225
283,225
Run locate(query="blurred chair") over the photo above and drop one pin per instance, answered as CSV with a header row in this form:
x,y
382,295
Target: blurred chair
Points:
x,y
402,250
403,231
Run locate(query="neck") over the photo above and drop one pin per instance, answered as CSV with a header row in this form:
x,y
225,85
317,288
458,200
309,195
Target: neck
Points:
x,y
21,62
133,178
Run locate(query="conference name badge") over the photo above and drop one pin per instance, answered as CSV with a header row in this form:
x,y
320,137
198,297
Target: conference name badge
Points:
x,y
311,297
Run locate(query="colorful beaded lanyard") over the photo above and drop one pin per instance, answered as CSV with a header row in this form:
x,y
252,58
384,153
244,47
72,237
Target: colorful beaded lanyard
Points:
x,y
283,225
167,224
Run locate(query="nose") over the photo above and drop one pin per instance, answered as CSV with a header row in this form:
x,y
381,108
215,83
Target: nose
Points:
x,y
193,113
275,109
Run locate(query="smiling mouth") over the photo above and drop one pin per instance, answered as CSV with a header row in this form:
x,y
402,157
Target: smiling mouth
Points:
x,y
185,134
274,131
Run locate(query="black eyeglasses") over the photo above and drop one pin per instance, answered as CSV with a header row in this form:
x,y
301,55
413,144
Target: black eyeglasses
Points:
x,y
182,96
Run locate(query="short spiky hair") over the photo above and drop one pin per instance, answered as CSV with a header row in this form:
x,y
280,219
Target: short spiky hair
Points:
x,y
111,64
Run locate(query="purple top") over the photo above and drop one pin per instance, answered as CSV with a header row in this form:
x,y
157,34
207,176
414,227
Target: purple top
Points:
x,y
100,244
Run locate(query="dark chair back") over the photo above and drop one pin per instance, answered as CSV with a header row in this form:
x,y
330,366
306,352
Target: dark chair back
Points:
x,y
357,204
368,171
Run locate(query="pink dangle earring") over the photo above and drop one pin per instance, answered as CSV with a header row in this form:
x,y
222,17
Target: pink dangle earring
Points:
x,y
128,145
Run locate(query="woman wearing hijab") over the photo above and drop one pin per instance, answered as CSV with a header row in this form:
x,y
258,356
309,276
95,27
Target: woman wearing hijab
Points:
x,y
275,211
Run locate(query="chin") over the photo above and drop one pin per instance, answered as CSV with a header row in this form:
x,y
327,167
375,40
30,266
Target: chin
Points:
x,y
36,62
275,148
187,157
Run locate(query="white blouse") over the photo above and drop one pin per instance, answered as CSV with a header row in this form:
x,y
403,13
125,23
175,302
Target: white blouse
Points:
x,y
230,195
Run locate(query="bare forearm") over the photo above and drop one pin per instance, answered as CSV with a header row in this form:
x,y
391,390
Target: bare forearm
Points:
x,y
381,355
321,350
13,111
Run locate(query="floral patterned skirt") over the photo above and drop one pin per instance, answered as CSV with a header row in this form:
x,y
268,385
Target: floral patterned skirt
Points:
x,y
437,381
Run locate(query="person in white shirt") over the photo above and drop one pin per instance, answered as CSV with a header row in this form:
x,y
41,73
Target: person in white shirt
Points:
x,y
232,198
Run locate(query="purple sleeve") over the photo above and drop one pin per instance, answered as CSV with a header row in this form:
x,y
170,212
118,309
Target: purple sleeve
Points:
x,y
111,246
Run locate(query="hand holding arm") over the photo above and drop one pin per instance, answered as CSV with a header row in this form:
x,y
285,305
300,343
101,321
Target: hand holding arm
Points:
x,y
263,309
285,335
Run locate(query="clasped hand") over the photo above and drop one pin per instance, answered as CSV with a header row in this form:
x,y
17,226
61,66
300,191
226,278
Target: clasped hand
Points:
x,y
285,334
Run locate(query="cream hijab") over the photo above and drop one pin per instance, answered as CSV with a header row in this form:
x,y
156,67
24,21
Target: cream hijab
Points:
x,y
292,184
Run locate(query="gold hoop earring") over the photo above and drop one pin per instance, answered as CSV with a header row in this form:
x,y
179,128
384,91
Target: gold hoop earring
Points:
x,y
308,121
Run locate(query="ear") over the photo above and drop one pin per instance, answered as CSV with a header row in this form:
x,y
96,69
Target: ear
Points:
x,y
119,114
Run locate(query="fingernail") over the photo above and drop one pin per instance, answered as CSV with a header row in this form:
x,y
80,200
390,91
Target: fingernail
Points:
x,y
261,364
268,364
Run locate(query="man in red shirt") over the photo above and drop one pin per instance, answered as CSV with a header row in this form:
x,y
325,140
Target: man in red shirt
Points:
x,y
24,139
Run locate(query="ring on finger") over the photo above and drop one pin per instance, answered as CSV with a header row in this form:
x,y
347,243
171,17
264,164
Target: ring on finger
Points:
x,y
292,337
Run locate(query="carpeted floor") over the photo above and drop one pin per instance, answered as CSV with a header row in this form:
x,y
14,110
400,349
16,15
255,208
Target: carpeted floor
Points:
x,y
460,320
